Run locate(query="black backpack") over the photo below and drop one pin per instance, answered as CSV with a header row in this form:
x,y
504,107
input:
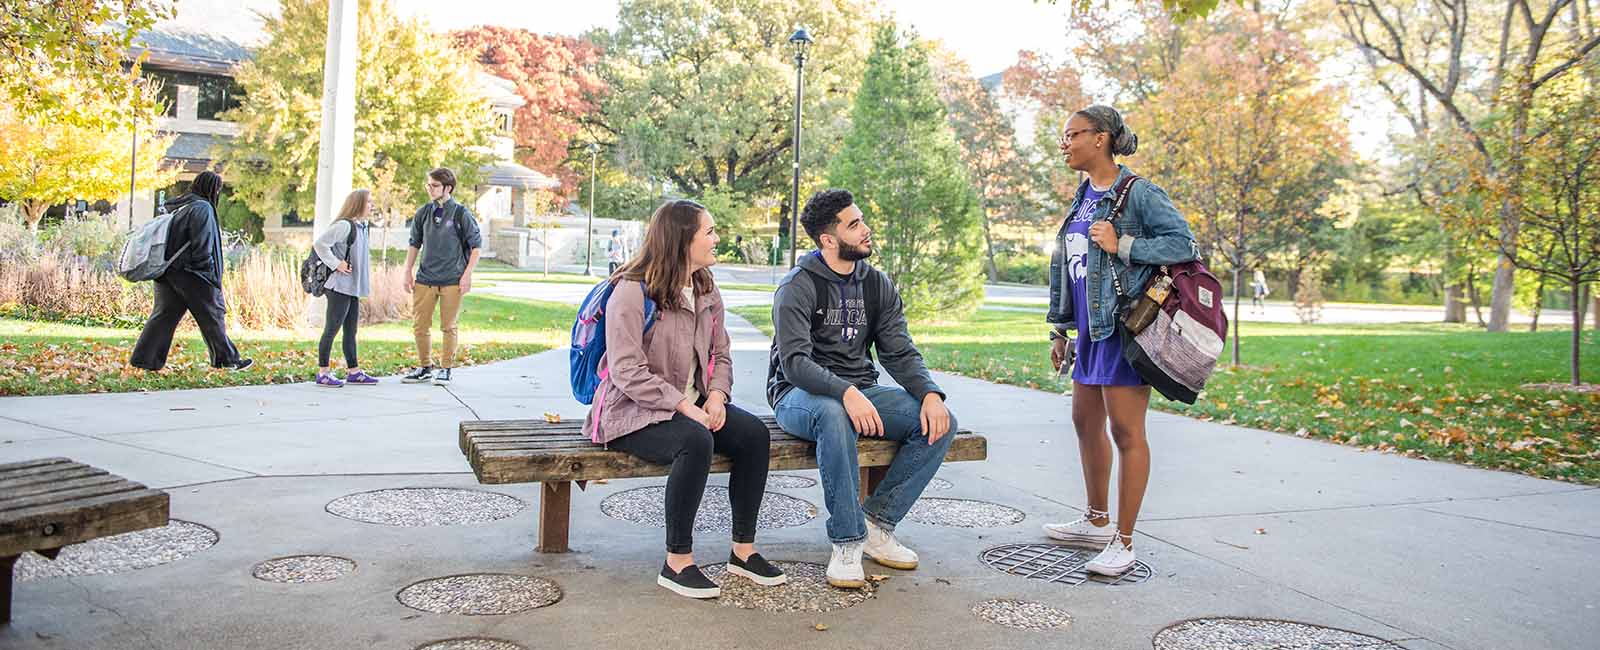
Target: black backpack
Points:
x,y
314,273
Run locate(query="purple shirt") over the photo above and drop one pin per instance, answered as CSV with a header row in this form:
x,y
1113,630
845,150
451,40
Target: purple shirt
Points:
x,y
1100,363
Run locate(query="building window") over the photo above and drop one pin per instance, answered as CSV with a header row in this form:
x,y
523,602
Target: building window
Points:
x,y
215,93
218,94
502,123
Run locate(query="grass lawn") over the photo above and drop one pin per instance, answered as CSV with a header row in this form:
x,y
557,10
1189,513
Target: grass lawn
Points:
x,y
502,273
46,358
1424,390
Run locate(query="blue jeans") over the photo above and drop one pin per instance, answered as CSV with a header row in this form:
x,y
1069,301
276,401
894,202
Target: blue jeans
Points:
x,y
824,421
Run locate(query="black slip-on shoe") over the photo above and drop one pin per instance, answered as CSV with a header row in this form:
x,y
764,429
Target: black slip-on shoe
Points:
x,y
689,582
757,569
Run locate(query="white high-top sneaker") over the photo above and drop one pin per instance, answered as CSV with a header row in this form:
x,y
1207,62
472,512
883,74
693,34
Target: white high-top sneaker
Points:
x,y
844,568
1115,560
1082,530
884,549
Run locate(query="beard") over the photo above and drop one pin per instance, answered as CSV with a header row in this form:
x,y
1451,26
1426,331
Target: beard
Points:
x,y
853,253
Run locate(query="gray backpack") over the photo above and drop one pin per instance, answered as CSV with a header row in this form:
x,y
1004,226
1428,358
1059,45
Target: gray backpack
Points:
x,y
144,255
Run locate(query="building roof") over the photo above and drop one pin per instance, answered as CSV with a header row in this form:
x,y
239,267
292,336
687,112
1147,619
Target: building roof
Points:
x,y
500,91
194,146
510,174
190,50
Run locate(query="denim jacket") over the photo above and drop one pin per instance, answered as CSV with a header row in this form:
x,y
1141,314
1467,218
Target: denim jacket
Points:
x,y
1150,233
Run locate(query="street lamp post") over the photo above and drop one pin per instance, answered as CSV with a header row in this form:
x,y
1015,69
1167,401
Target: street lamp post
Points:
x,y
588,253
800,40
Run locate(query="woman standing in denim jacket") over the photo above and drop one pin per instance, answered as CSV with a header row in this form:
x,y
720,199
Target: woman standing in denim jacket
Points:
x,y
1085,308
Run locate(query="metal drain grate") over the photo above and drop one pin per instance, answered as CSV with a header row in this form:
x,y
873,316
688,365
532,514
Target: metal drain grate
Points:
x,y
1056,563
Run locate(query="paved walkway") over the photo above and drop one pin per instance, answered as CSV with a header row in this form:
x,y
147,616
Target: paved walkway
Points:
x,y
1238,522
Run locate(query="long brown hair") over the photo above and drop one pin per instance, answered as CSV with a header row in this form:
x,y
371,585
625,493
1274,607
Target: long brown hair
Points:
x,y
663,262
355,205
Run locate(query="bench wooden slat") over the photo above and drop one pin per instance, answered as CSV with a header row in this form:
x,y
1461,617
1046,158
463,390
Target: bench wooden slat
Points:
x,y
578,464
65,497
66,473
47,527
39,470
9,494
37,462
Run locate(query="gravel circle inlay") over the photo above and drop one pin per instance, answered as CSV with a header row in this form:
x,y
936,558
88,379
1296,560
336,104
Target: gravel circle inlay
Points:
x,y
480,594
1262,634
1022,614
139,549
647,506
790,481
807,590
411,507
963,513
473,643
939,484
300,569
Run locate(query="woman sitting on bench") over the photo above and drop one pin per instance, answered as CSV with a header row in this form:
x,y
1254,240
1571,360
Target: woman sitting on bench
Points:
x,y
664,392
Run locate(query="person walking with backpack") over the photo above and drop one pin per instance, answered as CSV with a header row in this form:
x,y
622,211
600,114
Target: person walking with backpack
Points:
x,y
1096,261
665,389
345,248
193,282
444,235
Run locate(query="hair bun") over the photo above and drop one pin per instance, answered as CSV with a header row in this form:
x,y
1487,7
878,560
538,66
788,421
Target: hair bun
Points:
x,y
1126,143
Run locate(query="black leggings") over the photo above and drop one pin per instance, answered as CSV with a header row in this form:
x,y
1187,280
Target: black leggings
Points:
x,y
342,310
687,446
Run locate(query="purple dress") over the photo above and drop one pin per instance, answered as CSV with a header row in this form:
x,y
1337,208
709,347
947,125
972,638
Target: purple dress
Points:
x,y
1100,363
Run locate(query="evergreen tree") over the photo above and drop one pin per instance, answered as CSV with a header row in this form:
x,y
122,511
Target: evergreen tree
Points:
x,y
904,166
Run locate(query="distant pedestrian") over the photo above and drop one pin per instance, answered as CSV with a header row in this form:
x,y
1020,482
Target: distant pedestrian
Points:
x,y
192,284
1259,297
616,252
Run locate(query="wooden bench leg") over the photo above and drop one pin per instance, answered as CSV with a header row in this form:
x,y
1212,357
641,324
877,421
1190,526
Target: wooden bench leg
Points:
x,y
6,564
870,478
555,515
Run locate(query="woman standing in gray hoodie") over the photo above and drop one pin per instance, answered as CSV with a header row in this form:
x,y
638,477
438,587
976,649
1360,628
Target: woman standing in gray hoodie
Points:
x,y
344,248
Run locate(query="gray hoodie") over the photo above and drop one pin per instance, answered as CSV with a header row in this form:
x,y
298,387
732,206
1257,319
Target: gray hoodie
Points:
x,y
834,356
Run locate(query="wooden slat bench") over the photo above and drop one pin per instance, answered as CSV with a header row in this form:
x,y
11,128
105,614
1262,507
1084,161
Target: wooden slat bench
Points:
x,y
556,455
48,503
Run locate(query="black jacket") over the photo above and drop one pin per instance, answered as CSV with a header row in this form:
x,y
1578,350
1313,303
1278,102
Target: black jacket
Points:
x,y
194,222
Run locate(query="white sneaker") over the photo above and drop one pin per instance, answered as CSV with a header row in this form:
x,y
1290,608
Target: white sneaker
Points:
x,y
844,569
1115,560
1081,531
884,549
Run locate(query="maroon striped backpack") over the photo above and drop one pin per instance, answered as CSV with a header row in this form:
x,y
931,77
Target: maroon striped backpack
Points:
x,y
1178,350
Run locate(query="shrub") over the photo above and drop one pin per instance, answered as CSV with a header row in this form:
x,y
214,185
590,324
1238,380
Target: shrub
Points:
x,y
1024,268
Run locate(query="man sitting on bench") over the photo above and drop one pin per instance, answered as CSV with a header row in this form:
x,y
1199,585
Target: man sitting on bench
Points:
x,y
823,387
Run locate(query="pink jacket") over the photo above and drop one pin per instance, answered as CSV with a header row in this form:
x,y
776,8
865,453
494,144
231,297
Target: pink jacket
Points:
x,y
643,373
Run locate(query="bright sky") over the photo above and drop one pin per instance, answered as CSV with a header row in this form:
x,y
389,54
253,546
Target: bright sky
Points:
x,y
988,39
1024,24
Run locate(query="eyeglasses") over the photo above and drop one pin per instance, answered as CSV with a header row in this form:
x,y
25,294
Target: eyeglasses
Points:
x,y
1067,136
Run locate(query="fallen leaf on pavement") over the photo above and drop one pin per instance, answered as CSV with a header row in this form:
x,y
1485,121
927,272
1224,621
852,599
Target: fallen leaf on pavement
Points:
x,y
1261,531
552,418
820,627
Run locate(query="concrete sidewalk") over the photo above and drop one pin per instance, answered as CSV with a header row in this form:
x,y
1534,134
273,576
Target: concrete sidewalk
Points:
x,y
1427,555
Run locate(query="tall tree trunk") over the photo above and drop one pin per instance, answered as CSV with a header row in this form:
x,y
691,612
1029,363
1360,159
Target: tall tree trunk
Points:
x,y
1577,333
1455,310
33,212
1504,272
988,250
1476,297
1538,305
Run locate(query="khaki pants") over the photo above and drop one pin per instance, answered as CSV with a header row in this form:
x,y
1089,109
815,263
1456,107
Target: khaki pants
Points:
x,y
423,298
